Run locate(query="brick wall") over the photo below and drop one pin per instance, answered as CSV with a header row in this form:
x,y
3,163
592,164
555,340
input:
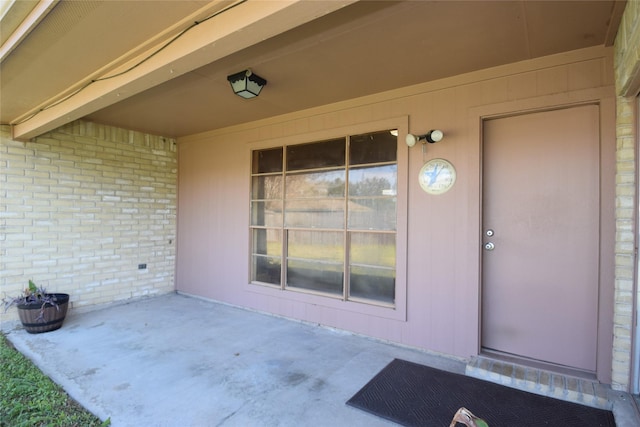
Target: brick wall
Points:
x,y
627,66
81,207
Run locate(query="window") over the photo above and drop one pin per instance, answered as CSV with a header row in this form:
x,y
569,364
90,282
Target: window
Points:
x,y
323,217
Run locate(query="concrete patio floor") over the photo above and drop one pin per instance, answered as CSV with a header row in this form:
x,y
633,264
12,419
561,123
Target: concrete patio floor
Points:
x,y
179,361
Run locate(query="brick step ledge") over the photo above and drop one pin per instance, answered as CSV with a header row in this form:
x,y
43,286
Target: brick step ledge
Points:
x,y
539,381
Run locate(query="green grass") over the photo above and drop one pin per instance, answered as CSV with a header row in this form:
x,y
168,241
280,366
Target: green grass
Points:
x,y
30,398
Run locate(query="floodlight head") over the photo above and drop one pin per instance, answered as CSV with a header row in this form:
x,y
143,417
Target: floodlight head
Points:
x,y
434,136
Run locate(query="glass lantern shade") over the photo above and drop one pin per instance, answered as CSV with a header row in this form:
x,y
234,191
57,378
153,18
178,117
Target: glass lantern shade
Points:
x,y
246,84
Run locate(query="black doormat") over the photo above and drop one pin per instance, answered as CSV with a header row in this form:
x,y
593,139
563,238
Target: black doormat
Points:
x,y
415,395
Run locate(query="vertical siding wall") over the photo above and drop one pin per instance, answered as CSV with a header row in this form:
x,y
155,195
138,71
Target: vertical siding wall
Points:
x,y
443,241
81,207
627,72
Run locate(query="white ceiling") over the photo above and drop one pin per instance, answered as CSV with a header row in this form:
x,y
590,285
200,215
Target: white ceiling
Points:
x,y
311,53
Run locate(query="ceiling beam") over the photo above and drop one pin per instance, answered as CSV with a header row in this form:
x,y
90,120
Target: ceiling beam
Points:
x,y
23,24
614,22
239,26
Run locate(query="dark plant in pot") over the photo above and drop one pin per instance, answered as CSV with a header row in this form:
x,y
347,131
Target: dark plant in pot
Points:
x,y
39,310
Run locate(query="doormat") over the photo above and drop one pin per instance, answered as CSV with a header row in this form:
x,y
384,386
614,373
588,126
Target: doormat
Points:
x,y
416,395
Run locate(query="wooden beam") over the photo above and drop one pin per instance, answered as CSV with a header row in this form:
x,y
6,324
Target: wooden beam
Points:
x,y
27,24
243,24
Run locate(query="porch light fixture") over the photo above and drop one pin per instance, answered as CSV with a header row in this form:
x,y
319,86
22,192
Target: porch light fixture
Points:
x,y
431,137
246,84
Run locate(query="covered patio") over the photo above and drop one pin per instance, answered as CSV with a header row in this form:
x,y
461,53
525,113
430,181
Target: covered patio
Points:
x,y
175,360
129,179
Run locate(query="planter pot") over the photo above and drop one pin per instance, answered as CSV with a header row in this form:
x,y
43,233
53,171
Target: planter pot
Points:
x,y
52,316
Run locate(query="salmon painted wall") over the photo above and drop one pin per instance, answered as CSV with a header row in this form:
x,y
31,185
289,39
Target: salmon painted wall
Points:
x,y
440,310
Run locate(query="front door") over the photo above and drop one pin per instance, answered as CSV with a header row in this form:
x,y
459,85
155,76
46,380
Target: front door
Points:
x,y
541,236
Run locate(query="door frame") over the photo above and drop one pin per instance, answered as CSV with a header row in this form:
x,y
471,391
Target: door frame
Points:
x,y
605,98
635,329
568,284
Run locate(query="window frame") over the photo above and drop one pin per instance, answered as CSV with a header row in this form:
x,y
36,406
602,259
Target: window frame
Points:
x,y
367,307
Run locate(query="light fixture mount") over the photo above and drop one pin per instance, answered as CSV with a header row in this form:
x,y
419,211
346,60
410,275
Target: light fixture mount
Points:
x,y
246,84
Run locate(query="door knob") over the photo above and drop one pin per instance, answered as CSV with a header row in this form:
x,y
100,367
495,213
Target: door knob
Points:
x,y
489,246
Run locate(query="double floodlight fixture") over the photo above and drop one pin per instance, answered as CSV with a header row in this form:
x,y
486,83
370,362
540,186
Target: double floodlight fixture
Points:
x,y
431,137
